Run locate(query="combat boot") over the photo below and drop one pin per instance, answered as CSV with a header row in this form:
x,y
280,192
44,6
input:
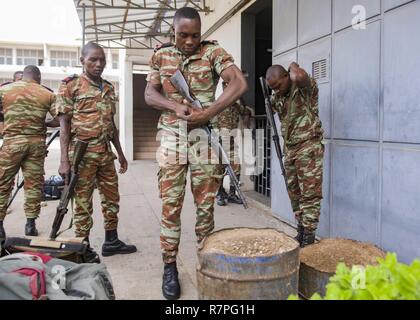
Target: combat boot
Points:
x,y
90,255
30,228
2,232
113,245
232,197
170,285
308,238
221,197
300,230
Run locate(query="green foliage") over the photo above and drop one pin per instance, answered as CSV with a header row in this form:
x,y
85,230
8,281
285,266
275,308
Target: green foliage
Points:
x,y
390,280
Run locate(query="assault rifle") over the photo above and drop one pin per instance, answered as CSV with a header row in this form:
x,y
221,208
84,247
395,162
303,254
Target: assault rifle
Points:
x,y
275,134
79,153
178,81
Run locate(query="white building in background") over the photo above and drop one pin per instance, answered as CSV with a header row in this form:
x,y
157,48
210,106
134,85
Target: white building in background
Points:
x,y
56,62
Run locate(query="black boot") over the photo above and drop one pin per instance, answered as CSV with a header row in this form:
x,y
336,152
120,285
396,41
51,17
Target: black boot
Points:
x,y
90,256
221,197
113,245
232,197
170,284
308,238
300,230
30,228
2,232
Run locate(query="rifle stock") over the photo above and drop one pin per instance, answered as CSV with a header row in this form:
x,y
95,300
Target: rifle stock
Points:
x,y
275,135
178,81
67,195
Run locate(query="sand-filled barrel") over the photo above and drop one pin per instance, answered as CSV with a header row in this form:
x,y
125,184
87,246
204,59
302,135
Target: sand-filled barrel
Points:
x,y
319,262
248,264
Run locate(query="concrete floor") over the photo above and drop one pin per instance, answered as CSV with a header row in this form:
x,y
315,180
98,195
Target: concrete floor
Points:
x,y
139,276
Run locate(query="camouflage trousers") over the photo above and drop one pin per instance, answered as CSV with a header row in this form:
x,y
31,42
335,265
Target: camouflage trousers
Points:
x,y
172,185
304,170
29,156
97,170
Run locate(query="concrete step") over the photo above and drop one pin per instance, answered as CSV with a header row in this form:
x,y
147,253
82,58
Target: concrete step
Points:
x,y
145,155
144,149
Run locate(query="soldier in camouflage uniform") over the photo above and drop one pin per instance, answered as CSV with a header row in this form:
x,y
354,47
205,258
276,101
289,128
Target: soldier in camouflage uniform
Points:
x,y
25,104
295,98
86,107
202,64
228,123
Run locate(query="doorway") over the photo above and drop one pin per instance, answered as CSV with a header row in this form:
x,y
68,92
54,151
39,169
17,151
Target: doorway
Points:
x,y
257,35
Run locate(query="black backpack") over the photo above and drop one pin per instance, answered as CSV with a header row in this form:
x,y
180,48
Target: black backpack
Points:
x,y
53,188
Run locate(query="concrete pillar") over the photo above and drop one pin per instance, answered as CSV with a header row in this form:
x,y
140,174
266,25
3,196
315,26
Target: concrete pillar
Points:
x,y
126,105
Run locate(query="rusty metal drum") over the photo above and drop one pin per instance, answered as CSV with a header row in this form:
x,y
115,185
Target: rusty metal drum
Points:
x,y
248,264
318,262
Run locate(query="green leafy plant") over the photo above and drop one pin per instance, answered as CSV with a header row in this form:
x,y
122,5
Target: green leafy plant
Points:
x,y
390,280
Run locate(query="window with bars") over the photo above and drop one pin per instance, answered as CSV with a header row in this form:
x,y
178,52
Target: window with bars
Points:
x,y
63,58
6,56
115,61
30,57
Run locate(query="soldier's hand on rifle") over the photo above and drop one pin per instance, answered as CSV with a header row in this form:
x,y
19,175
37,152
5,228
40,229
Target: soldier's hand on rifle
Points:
x,y
64,171
197,117
183,111
123,164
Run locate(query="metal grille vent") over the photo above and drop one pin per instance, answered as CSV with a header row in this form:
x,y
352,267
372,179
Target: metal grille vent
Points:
x,y
320,70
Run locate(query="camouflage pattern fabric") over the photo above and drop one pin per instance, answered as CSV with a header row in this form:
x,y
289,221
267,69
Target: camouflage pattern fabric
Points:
x,y
302,132
92,108
25,105
304,171
299,114
228,120
28,156
202,72
99,168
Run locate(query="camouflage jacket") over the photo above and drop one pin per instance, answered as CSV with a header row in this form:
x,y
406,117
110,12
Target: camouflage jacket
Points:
x,y
201,70
230,117
25,105
91,107
299,114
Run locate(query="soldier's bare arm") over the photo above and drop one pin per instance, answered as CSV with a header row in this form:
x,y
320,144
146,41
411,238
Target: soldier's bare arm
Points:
x,y
156,100
299,76
236,87
64,169
117,144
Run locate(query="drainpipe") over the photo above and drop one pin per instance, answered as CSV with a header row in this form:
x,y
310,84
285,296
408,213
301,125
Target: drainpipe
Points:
x,y
226,17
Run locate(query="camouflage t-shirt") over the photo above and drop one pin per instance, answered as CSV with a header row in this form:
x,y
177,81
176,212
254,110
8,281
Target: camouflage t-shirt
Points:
x,y
201,70
92,108
25,105
299,114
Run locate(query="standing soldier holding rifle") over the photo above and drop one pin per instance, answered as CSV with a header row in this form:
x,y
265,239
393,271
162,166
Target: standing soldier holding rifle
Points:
x,y
25,104
295,98
202,64
86,107
228,122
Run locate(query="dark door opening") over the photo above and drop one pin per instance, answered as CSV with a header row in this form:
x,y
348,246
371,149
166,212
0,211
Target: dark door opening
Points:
x,y
257,35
